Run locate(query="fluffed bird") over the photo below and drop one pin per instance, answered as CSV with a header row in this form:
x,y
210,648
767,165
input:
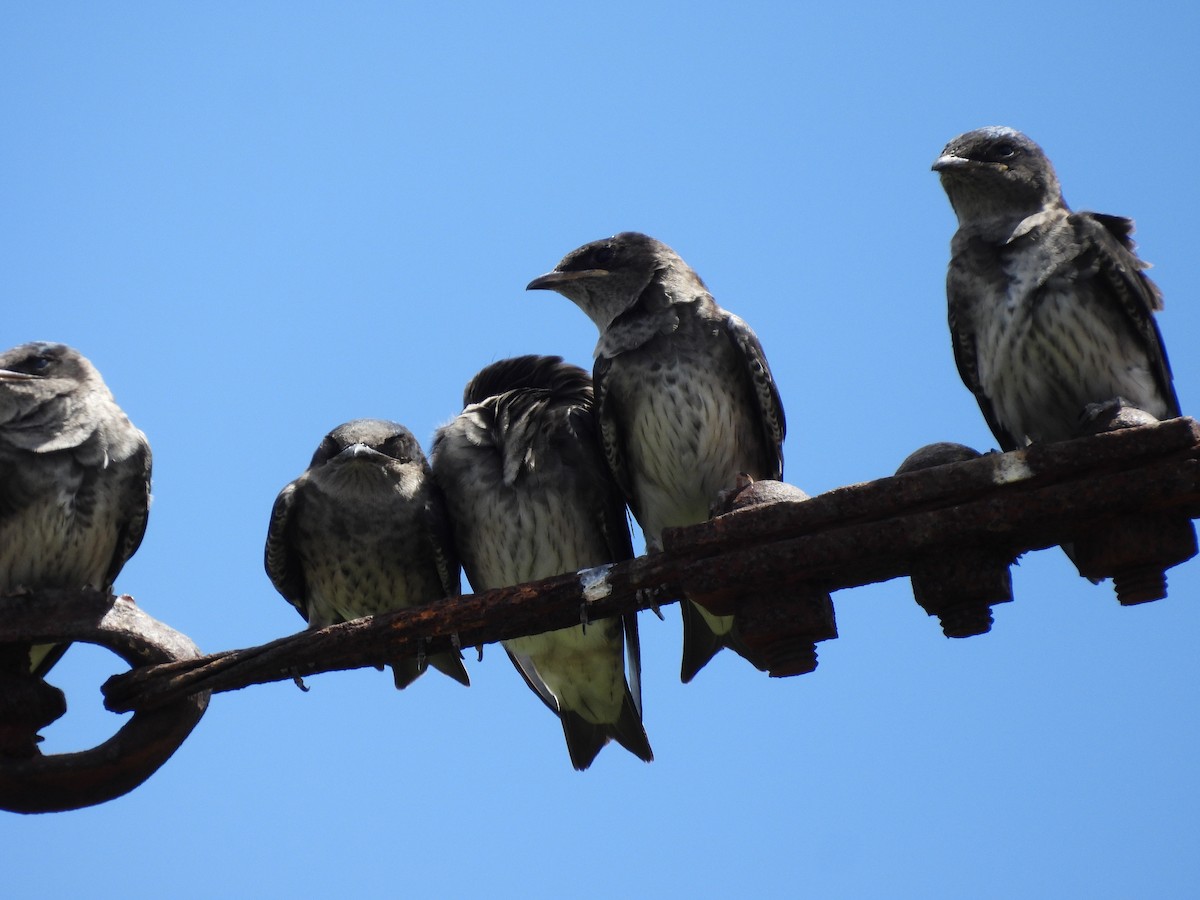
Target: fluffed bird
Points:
x,y
364,531
684,396
530,497
74,478
1050,310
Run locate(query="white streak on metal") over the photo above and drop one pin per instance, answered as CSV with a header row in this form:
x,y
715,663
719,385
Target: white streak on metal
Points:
x,y
1011,467
594,582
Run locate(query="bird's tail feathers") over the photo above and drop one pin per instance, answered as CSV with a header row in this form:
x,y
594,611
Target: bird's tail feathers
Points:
x,y
406,671
451,664
630,733
704,635
585,739
700,641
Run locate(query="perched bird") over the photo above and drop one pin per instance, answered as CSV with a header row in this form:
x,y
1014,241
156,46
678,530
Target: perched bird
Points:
x,y
1050,311
684,396
530,497
74,478
364,531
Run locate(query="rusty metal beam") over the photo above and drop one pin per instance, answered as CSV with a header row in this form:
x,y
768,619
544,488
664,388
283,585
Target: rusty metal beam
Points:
x,y
1121,491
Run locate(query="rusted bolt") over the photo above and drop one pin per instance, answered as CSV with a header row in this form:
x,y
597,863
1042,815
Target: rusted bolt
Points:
x,y
1112,415
747,492
1136,549
959,587
781,631
779,625
942,453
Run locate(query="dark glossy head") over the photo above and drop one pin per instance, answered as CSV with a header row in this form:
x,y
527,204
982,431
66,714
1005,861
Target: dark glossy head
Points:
x,y
367,438
42,361
997,172
605,277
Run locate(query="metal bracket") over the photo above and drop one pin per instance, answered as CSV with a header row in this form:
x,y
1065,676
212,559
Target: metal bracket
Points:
x,y
33,783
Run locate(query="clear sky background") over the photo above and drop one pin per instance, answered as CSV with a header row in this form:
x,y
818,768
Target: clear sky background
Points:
x,y
261,220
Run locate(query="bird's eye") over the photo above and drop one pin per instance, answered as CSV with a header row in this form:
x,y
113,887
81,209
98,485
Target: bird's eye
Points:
x,y
327,450
603,256
37,365
397,449
1005,150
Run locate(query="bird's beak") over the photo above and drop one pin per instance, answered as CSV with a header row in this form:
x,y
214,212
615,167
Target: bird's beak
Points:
x,y
10,375
948,162
355,451
552,280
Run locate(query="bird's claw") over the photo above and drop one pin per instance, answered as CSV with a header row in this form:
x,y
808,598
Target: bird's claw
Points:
x,y
299,681
646,595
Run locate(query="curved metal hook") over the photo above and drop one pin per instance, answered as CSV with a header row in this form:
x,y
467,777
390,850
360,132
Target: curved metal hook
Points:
x,y
59,782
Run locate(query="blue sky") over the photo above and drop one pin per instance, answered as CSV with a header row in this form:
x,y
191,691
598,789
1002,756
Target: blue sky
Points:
x,y
261,220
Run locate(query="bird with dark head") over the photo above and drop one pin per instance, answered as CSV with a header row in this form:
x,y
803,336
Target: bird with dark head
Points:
x,y
684,397
995,174
364,531
74,477
1051,313
530,497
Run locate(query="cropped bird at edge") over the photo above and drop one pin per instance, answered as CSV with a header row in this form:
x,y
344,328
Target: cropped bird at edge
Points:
x,y
530,497
684,397
1051,314
364,531
74,478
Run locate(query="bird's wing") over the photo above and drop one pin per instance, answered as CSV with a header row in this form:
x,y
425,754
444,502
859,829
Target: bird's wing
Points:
x,y
282,563
613,521
439,531
633,659
136,509
529,672
603,493
766,393
608,418
1108,254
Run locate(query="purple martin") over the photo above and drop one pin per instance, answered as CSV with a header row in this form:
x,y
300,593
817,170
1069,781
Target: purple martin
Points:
x,y
364,531
1050,310
684,396
74,478
530,497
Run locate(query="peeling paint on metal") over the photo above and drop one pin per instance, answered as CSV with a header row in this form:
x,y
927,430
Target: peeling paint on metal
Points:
x,y
1011,467
595,584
